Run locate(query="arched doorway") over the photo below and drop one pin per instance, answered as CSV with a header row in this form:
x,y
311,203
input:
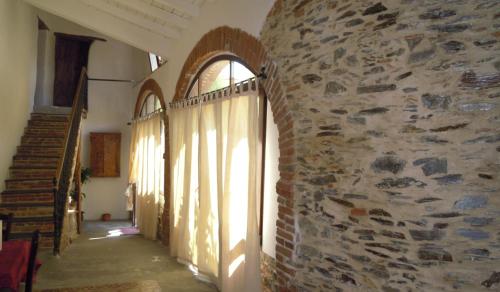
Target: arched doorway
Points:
x,y
226,40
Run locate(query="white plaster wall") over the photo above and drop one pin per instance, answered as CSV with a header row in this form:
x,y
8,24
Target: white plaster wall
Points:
x,y
271,177
40,64
18,43
110,108
45,68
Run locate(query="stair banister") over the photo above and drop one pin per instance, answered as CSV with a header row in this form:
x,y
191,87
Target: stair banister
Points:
x,y
66,166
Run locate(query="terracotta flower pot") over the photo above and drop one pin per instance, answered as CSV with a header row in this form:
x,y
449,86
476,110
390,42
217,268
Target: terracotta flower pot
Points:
x,y
106,217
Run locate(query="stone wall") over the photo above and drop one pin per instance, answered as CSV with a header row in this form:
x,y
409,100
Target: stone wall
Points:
x,y
397,141
269,276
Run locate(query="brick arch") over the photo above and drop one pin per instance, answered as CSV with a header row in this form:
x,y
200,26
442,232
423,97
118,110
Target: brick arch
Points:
x,y
220,40
149,86
250,49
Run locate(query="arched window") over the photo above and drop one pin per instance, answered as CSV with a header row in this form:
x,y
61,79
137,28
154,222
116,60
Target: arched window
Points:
x,y
221,72
147,165
150,105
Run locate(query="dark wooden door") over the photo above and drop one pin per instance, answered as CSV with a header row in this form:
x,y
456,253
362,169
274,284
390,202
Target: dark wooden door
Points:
x,y
71,56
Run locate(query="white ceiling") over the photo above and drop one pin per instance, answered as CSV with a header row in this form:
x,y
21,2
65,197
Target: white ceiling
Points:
x,y
150,25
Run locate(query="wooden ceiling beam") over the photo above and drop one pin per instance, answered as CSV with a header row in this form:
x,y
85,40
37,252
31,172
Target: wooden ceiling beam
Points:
x,y
134,18
157,13
183,6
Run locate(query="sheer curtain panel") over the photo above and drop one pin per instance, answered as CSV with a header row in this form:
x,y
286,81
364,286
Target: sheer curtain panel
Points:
x,y
215,182
146,170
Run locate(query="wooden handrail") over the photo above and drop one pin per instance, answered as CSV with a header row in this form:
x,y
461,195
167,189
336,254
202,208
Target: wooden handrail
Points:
x,y
66,166
76,100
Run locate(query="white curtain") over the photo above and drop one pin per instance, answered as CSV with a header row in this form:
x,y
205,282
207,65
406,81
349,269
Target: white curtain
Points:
x,y
146,170
215,178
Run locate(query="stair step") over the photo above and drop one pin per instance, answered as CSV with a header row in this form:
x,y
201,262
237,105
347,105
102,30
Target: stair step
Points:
x,y
47,124
32,173
42,141
35,159
31,167
49,117
56,133
12,205
28,196
26,227
28,210
33,219
27,160
30,191
26,184
51,144
39,151
35,163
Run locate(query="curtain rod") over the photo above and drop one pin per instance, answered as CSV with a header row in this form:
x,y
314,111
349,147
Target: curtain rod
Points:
x,y
223,92
243,86
111,80
148,116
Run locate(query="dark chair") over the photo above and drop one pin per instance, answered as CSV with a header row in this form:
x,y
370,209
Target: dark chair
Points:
x,y
32,261
6,225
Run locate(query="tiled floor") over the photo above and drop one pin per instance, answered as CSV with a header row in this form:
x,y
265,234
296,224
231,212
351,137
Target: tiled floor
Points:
x,y
97,258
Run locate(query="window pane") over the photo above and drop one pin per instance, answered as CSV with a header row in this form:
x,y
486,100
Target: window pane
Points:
x,y
157,103
241,73
153,61
150,103
145,109
194,90
216,76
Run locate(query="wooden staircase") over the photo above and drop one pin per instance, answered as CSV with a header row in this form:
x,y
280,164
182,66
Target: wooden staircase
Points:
x,y
29,191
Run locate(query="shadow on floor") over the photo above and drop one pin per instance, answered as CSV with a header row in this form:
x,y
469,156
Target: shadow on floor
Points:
x,y
102,255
